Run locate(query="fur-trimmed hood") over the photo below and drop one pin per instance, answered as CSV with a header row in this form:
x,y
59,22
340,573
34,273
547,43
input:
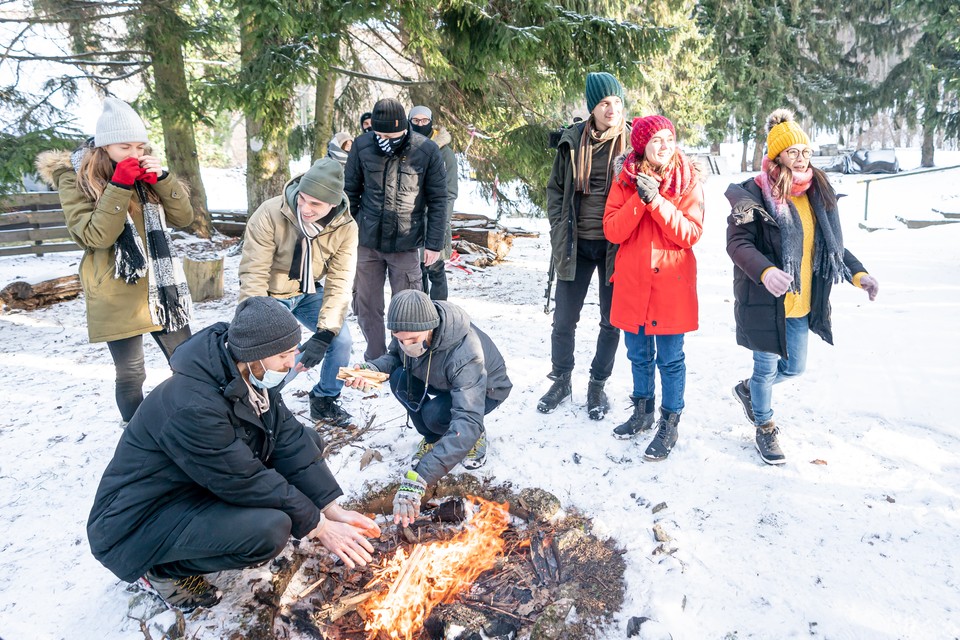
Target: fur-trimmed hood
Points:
x,y
50,164
442,137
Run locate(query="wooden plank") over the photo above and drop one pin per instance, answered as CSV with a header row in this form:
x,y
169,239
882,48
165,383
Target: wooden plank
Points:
x,y
33,201
34,235
32,217
38,249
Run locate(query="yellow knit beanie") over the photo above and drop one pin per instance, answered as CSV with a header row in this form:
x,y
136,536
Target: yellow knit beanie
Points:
x,y
783,132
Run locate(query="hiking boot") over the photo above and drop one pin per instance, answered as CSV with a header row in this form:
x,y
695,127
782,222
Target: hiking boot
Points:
x,y
666,436
597,402
422,449
328,409
558,392
741,391
767,444
477,456
641,420
185,594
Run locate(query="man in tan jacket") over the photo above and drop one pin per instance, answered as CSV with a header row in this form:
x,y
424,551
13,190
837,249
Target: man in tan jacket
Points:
x,y
292,243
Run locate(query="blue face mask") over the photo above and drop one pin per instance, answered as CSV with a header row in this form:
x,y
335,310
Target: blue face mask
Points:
x,y
270,378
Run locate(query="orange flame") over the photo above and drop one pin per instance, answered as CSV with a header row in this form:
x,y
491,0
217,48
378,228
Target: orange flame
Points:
x,y
434,574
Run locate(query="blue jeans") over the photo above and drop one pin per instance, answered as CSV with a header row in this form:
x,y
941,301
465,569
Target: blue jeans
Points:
x,y
306,308
666,352
770,369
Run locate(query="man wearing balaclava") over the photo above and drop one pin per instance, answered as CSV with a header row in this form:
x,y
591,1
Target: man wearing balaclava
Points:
x,y
301,248
397,184
435,276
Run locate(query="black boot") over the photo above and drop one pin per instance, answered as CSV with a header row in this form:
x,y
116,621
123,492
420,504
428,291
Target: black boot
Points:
x,y
559,391
666,436
641,420
767,443
329,410
597,402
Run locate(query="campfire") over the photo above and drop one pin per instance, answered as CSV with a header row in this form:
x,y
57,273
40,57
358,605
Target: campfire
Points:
x,y
481,561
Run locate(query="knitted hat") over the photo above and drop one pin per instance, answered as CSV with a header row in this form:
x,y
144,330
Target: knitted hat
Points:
x,y
599,86
643,130
412,310
420,111
324,181
783,132
261,327
389,116
118,123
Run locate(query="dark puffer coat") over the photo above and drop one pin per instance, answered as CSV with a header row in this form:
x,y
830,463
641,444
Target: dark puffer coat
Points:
x,y
465,363
753,243
195,441
399,201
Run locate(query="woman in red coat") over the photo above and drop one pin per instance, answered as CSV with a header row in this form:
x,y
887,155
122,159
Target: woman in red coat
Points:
x,y
655,213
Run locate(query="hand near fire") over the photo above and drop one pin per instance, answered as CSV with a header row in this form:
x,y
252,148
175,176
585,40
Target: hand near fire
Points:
x,y
343,532
406,503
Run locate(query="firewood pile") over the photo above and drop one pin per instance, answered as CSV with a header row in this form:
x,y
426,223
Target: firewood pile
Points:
x,y
550,566
482,242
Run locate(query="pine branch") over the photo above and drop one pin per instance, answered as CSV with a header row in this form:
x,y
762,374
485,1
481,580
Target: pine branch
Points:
x,y
368,76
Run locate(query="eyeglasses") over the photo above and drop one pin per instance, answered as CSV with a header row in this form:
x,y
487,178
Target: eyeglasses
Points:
x,y
420,121
793,153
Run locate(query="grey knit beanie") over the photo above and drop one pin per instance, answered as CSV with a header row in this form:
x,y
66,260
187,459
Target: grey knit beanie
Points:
x,y
599,86
118,123
324,181
261,327
420,111
412,310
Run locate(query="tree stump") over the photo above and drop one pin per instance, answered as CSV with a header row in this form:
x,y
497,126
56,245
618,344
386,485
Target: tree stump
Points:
x,y
204,278
22,295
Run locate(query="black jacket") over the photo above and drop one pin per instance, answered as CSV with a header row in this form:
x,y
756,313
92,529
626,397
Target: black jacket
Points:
x,y
399,201
194,441
753,243
464,363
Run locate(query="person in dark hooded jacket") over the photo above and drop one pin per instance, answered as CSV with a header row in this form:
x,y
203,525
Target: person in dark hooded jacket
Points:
x,y
214,472
448,375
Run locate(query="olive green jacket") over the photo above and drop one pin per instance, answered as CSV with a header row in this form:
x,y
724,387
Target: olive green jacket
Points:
x,y
115,309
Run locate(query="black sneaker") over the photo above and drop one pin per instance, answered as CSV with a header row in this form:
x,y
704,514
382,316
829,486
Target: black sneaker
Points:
x,y
185,594
741,391
767,444
559,391
666,437
328,409
641,420
597,402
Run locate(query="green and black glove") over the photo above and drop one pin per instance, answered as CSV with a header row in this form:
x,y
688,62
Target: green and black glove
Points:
x,y
406,503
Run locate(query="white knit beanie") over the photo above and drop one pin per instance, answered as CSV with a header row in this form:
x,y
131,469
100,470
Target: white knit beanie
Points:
x,y
118,123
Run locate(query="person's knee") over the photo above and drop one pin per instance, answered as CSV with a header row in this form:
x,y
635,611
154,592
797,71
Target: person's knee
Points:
x,y
274,533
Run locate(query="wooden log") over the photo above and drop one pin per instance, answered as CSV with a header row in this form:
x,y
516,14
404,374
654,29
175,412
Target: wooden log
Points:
x,y
493,239
204,278
22,295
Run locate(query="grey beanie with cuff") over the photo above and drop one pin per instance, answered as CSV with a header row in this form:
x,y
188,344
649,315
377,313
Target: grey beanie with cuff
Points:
x,y
261,327
324,181
412,310
118,123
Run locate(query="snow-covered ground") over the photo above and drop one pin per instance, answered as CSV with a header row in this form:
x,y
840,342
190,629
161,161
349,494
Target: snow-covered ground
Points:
x,y
859,547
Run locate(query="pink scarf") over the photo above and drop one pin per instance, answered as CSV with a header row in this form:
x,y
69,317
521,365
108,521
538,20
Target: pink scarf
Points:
x,y
801,180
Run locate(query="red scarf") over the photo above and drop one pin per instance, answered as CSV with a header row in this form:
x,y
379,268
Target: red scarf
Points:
x,y
676,181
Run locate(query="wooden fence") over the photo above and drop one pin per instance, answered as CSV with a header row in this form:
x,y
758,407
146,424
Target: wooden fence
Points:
x,y
34,223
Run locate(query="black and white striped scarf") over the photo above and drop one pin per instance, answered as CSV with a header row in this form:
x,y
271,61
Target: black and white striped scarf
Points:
x,y
301,267
168,296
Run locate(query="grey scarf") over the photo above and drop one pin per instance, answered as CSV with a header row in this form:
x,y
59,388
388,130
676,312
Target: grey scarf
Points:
x,y
828,237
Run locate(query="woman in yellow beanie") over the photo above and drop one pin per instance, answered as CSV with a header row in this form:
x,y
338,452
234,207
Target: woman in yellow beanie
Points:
x,y
786,244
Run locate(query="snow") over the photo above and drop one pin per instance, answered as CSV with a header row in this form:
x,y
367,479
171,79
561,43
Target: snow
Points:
x,y
859,547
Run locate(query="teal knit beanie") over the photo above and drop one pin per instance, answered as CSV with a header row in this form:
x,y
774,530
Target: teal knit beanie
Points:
x,y
600,85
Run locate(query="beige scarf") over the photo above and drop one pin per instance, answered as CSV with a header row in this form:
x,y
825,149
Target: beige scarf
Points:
x,y
584,160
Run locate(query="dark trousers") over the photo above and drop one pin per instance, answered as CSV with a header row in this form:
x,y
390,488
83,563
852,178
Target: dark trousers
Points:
x,y
225,536
430,411
131,373
373,267
435,279
591,255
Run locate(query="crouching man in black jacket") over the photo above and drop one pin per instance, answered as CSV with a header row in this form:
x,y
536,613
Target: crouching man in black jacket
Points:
x,y
448,375
213,472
